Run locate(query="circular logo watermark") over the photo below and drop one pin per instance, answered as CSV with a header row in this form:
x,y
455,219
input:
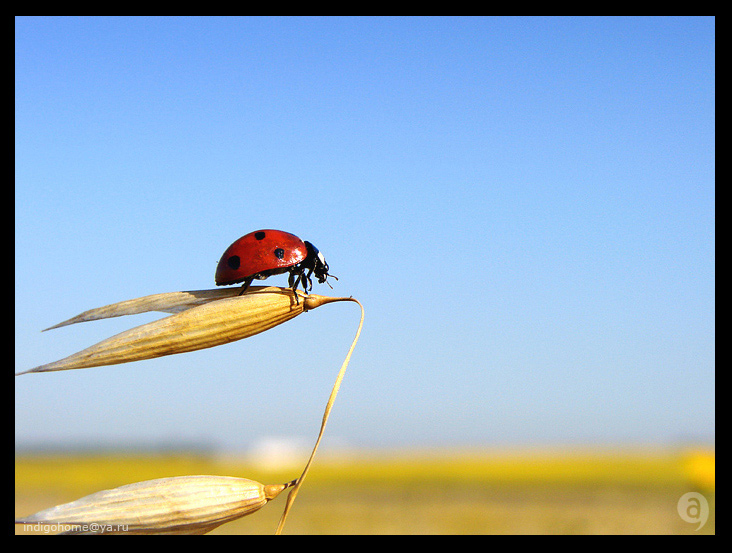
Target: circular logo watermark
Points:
x,y
693,508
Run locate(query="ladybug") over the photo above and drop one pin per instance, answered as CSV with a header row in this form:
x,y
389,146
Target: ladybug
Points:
x,y
263,253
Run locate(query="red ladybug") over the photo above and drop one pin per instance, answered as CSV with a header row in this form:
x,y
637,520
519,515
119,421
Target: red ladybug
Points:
x,y
264,253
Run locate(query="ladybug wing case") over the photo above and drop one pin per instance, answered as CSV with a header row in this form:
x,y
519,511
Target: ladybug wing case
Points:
x,y
263,251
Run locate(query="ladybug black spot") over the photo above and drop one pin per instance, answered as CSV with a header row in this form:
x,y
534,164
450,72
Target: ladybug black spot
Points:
x,y
233,262
279,253
259,235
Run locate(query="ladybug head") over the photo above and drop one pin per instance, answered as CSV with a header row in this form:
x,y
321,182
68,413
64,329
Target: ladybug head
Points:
x,y
316,263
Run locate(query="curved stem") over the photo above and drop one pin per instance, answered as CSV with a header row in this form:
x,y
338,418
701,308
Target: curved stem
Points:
x,y
293,492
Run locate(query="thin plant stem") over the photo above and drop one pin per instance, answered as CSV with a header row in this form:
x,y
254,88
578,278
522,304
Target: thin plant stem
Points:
x,y
293,492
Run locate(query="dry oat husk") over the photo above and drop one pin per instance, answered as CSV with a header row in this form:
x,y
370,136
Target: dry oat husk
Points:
x,y
215,318
179,505
169,302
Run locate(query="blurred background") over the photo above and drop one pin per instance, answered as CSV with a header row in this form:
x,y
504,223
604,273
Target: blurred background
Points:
x,y
525,207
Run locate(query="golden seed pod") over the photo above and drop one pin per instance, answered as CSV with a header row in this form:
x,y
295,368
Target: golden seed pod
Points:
x,y
179,505
215,322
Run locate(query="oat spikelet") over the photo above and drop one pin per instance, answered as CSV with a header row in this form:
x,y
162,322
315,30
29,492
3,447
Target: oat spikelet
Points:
x,y
179,505
214,323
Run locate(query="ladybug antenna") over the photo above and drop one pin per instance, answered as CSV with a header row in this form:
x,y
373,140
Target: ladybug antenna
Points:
x,y
328,283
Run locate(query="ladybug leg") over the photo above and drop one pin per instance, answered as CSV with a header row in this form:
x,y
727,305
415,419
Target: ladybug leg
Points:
x,y
246,284
307,281
293,282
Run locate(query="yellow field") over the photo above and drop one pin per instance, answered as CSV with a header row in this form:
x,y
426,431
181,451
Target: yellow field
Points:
x,y
450,492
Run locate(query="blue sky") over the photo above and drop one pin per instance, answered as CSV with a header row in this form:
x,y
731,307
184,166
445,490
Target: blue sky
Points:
x,y
525,207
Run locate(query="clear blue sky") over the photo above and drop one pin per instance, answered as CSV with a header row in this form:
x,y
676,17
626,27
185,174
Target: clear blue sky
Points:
x,y
524,206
